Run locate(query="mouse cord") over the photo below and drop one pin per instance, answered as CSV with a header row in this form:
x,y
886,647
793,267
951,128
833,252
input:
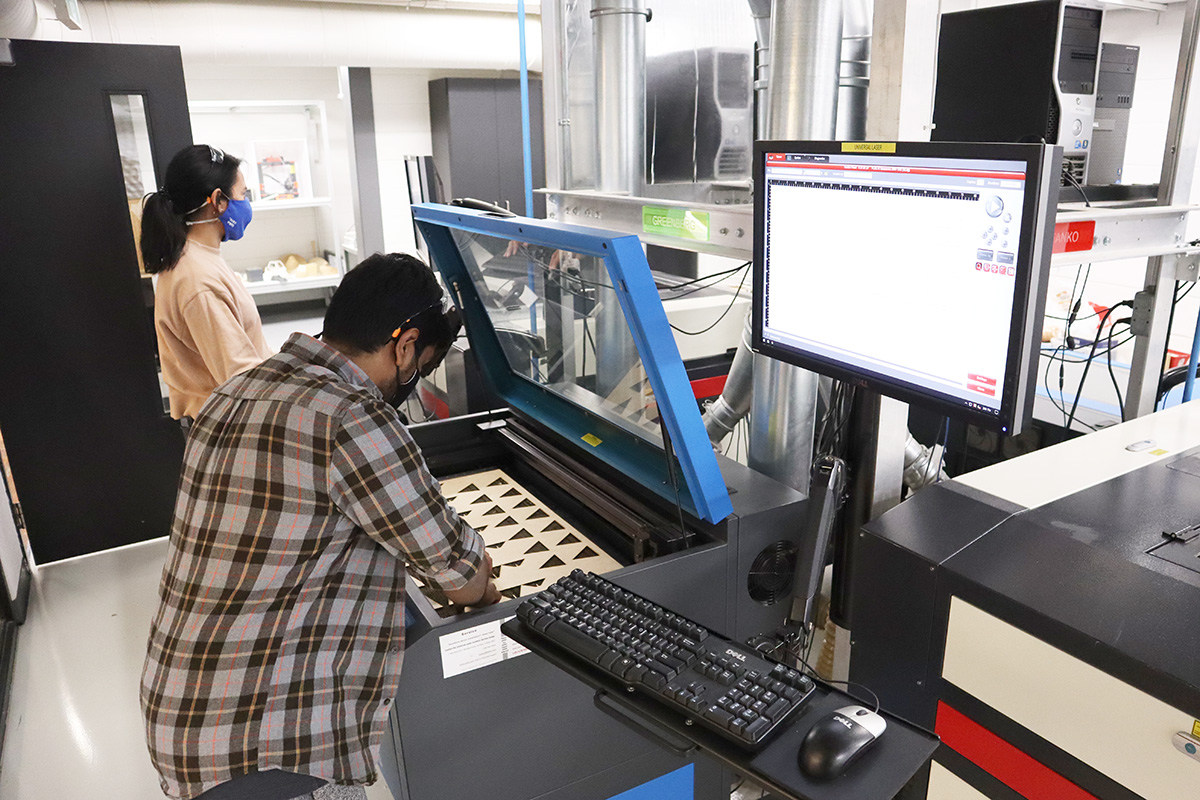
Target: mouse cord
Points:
x,y
804,666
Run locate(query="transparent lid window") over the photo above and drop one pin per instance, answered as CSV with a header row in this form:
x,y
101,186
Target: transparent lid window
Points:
x,y
552,310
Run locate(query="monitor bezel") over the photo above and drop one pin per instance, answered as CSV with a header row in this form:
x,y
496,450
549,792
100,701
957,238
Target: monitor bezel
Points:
x,y
1029,296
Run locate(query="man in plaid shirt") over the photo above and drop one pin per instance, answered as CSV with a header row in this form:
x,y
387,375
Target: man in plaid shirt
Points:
x,y
275,653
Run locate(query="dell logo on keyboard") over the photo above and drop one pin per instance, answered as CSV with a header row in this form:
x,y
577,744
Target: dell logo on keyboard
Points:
x,y
735,654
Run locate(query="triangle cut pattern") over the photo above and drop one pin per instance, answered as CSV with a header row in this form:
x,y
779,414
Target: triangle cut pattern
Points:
x,y
531,546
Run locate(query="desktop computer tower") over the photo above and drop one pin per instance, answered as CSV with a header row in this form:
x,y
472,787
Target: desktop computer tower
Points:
x,y
1114,99
1021,73
699,115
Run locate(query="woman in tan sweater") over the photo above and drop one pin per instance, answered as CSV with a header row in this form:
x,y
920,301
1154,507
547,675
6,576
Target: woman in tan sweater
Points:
x,y
207,324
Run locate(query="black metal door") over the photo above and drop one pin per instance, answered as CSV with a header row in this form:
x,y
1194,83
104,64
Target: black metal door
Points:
x,y
94,458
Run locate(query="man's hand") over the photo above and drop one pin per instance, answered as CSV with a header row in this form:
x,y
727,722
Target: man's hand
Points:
x,y
480,591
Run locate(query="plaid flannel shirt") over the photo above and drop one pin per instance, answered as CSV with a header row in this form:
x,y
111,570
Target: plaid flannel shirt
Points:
x,y
280,631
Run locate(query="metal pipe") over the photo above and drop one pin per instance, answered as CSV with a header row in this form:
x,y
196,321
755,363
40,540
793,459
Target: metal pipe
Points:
x,y
760,10
724,413
619,48
526,133
806,54
920,468
18,19
619,39
855,69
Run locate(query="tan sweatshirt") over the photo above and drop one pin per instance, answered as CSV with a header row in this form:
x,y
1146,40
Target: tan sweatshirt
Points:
x,y
208,327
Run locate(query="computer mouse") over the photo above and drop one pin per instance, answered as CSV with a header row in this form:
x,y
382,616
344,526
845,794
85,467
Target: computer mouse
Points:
x,y
838,740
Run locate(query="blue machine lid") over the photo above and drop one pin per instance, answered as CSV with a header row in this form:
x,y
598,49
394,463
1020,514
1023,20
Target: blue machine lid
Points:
x,y
537,297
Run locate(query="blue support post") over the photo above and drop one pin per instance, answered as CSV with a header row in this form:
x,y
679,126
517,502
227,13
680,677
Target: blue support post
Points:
x,y
527,151
1191,373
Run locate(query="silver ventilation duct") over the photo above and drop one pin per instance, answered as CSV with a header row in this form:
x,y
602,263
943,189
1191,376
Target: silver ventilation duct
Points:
x,y
805,60
760,10
726,411
619,47
920,468
18,19
806,57
856,69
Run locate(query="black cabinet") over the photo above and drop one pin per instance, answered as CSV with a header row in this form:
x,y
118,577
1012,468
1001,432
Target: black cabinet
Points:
x,y
477,152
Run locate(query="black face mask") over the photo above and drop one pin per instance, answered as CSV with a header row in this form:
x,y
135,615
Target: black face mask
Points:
x,y
403,390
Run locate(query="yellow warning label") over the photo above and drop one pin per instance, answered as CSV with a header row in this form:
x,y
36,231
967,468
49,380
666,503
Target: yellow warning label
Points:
x,y
591,439
1159,452
868,147
1196,728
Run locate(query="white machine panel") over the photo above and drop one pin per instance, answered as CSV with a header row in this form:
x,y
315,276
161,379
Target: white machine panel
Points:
x,y
945,785
1056,472
1107,724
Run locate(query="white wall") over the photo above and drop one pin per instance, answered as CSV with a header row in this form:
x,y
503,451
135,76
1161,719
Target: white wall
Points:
x,y
402,129
207,81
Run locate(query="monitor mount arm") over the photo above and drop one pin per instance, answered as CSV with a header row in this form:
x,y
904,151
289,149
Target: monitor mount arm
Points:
x,y
827,493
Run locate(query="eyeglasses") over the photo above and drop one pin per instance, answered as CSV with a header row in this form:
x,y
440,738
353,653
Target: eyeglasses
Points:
x,y
216,154
450,314
443,301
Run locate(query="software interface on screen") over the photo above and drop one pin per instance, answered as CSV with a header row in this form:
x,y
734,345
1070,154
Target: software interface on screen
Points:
x,y
901,266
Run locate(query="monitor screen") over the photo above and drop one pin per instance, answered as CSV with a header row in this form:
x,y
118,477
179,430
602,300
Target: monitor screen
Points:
x,y
917,270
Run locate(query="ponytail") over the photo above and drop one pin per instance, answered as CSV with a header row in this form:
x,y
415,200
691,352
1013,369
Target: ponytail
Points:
x,y
193,175
163,233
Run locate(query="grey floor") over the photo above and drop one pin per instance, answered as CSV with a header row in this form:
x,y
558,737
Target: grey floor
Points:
x,y
74,727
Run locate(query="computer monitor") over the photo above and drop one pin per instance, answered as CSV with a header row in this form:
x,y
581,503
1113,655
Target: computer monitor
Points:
x,y
914,269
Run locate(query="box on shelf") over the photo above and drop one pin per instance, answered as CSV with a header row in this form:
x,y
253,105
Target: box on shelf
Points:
x,y
281,169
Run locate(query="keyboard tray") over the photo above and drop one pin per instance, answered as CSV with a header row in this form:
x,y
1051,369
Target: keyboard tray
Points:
x,y
879,775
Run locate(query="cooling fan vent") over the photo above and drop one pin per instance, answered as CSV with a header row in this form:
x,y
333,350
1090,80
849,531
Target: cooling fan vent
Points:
x,y
770,578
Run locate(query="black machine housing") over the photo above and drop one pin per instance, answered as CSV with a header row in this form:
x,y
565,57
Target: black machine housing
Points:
x,y
533,731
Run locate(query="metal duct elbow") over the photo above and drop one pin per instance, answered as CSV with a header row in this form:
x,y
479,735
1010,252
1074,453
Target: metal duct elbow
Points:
x,y
724,413
920,468
18,19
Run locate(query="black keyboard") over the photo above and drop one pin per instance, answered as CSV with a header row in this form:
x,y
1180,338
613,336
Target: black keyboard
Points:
x,y
719,684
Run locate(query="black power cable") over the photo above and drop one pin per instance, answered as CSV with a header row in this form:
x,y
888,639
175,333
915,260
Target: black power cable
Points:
x,y
724,313
1112,375
1091,356
1066,173
730,271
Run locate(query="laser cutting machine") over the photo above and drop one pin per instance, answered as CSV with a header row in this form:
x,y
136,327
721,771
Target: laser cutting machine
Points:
x,y
598,460
1046,621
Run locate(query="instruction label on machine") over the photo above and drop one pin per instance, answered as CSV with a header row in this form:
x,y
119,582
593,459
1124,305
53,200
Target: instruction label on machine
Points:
x,y
868,147
477,647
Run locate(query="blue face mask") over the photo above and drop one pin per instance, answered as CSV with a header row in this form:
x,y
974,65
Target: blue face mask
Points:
x,y
236,218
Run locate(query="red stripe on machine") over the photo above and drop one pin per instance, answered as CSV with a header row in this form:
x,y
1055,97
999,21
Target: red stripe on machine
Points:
x,y
1017,770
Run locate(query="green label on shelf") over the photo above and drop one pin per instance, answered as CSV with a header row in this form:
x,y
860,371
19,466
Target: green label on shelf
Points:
x,y
680,223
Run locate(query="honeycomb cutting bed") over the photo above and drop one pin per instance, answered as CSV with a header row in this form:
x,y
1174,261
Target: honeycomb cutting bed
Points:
x,y
530,545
